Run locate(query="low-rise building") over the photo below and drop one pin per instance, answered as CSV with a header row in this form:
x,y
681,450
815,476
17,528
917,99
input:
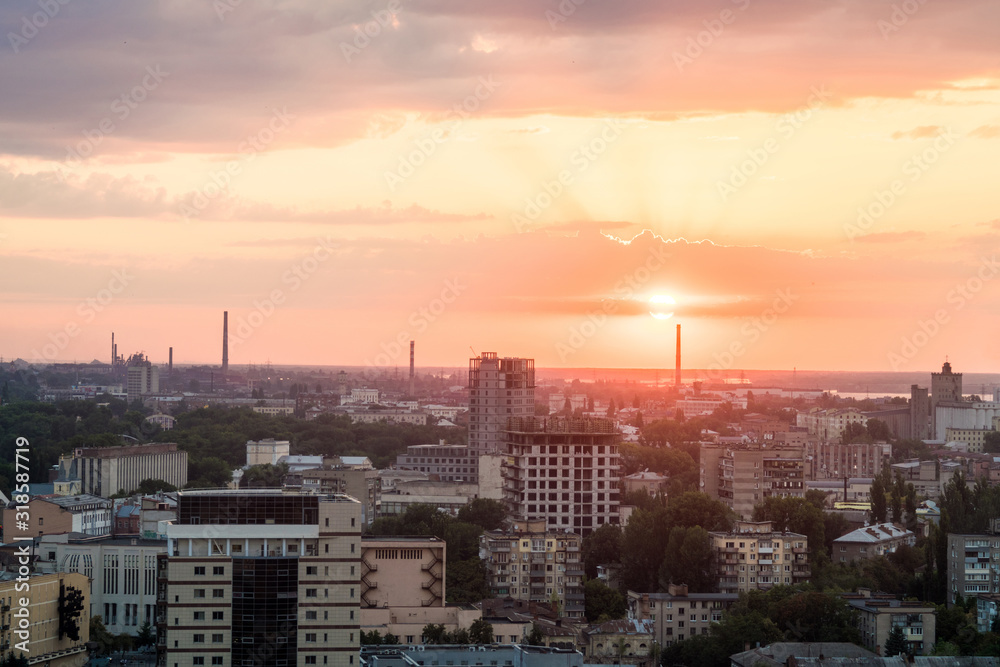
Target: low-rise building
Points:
x,y
402,572
106,471
433,655
530,562
987,611
59,514
877,617
650,482
871,542
275,410
753,556
621,642
448,463
677,614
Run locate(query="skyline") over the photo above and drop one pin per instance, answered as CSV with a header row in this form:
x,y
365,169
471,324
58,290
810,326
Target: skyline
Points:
x,y
810,184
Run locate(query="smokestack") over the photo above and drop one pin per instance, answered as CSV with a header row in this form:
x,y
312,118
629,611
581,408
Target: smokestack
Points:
x,y
112,350
677,370
225,342
170,362
411,368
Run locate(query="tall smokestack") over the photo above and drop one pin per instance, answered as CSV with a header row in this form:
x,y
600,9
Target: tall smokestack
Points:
x,y
225,341
112,350
411,368
170,361
677,369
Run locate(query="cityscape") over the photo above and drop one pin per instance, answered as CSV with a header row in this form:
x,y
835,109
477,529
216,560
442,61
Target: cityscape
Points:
x,y
446,333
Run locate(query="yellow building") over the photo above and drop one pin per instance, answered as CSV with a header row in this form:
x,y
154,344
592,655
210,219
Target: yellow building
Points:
x,y
753,556
29,607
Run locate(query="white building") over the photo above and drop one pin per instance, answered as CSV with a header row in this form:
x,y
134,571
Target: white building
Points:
x,y
267,451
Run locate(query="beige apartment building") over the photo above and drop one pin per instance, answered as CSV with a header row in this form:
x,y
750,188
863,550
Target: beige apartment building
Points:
x,y
43,594
534,563
833,460
753,556
743,474
260,577
876,616
53,515
678,614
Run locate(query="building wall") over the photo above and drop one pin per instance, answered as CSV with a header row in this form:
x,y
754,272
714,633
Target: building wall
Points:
x,y
973,564
832,460
563,471
679,615
42,594
265,452
106,471
753,557
920,411
282,591
743,475
402,572
916,619
498,389
974,437
535,564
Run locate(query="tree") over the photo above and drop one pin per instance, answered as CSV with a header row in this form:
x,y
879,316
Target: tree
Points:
x,y
151,486
145,636
602,603
536,637
481,632
879,505
612,410
70,606
688,560
264,476
895,643
486,513
698,509
99,634
602,547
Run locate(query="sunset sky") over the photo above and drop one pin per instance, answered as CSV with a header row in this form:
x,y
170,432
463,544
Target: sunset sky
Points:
x,y
814,183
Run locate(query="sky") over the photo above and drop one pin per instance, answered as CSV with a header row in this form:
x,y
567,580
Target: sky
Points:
x,y
813,183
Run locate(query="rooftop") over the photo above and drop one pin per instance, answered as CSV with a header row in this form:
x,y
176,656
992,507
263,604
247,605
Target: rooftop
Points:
x,y
875,534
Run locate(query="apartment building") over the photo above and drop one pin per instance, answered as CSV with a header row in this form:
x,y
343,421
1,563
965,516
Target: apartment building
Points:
x,y
833,460
562,470
743,474
829,424
498,389
42,597
973,565
448,463
104,471
871,542
260,577
876,617
753,556
677,614
334,475
535,563
122,573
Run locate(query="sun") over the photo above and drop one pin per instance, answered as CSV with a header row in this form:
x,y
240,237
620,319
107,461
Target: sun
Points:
x,y
661,303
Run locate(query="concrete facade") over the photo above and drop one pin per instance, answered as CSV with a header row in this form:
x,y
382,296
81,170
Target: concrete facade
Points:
x,y
742,475
498,389
402,572
49,516
754,557
677,615
973,565
871,542
104,471
42,594
877,617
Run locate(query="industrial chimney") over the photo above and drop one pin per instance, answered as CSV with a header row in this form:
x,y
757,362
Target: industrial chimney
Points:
x,y
225,341
411,369
677,369
170,361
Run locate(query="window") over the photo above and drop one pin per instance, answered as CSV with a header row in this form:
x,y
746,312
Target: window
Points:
x,y
217,660
197,660
199,639
219,570
311,592
199,616
311,637
310,616
218,592
199,571
310,660
217,638
312,570
217,615
199,592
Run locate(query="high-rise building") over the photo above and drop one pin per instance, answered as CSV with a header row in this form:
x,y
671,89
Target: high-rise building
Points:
x,y
564,471
141,377
498,389
260,577
920,412
743,474
946,387
973,565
